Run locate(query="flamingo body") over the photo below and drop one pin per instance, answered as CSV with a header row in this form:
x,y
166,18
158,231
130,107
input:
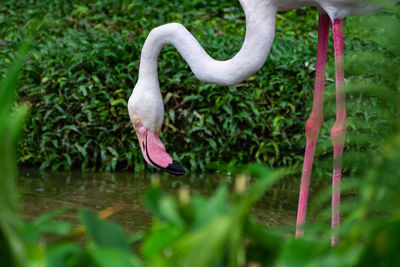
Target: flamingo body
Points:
x,y
146,107
336,9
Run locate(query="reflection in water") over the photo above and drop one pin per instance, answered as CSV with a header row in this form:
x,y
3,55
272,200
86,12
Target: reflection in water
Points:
x,y
46,191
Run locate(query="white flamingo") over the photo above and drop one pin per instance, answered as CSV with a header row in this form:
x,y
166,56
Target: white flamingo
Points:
x,y
146,107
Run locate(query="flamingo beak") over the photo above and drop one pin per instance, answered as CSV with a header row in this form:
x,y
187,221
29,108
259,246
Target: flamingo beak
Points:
x,y
154,151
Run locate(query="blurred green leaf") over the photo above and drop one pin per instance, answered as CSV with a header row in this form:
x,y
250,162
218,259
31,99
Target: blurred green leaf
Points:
x,y
113,257
11,244
159,239
67,255
105,234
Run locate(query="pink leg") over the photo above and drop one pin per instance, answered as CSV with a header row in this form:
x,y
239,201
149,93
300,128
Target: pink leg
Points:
x,y
313,124
338,131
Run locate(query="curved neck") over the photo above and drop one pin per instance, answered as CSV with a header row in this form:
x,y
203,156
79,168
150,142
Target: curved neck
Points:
x,y
260,30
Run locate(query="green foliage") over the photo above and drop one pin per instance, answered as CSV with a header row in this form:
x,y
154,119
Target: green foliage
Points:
x,y
203,232
84,64
11,122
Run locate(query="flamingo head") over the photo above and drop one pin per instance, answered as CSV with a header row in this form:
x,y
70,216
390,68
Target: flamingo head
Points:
x,y
146,111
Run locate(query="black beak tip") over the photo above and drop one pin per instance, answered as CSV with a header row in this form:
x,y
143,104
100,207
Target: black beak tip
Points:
x,y
174,168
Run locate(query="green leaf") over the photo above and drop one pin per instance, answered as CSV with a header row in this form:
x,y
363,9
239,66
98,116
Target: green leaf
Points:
x,y
44,218
32,232
113,257
104,234
11,227
118,101
9,83
203,247
215,206
55,227
66,255
159,239
169,211
151,200
163,206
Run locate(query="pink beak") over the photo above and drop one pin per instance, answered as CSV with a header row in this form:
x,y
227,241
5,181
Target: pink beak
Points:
x,y
154,151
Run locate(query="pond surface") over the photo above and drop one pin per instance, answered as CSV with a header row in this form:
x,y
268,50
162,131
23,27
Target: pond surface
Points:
x,y
46,191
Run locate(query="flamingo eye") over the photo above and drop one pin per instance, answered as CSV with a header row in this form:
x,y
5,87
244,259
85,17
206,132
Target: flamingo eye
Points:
x,y
137,121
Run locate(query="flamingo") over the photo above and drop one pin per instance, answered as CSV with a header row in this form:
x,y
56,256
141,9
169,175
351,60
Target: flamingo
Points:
x,y
146,109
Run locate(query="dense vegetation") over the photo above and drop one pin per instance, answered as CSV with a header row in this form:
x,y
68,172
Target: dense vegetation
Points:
x,y
84,64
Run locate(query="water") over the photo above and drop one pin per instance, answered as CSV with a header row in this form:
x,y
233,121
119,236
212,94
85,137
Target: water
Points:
x,y
45,191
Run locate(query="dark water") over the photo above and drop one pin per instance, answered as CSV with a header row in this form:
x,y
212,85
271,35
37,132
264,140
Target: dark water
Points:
x,y
45,191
